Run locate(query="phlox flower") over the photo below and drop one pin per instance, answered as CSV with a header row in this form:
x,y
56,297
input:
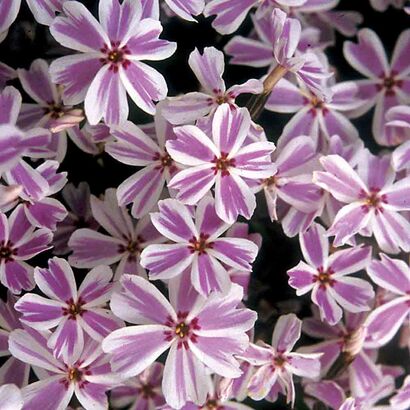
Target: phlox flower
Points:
x,y
45,212
16,144
326,391
387,85
278,43
223,160
401,400
349,339
123,242
313,116
142,391
185,9
231,13
48,111
292,184
382,5
10,397
326,276
394,276
79,216
199,332
132,146
109,65
196,246
88,378
277,363
72,312
208,69
19,242
373,201
12,370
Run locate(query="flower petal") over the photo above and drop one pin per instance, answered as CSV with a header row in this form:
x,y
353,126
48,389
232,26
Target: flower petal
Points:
x,y
349,260
302,277
95,289
287,332
315,245
329,310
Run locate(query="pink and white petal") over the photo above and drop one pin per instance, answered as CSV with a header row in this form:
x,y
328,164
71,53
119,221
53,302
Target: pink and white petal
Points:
x,y
220,314
145,44
207,221
187,108
287,332
385,321
329,351
166,261
399,62
339,179
32,348
67,341
92,396
345,96
253,161
192,146
33,183
13,399
193,183
106,97
138,301
208,68
335,123
78,29
51,392
99,323
75,73
82,140
38,312
217,353
11,148
143,189
262,382
91,248
10,101
398,195
353,294
174,221
186,9
368,56
285,98
349,260
230,128
329,310
4,228
233,197
304,365
33,244
8,13
57,282
328,392
141,343
348,222
184,379
119,21
144,85
18,226
235,252
249,52
229,14
390,274
208,275
16,276
37,83
391,231
44,11
315,245
95,289
46,213
302,278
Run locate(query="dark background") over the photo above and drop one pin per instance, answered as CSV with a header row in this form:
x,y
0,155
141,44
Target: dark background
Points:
x,y
270,294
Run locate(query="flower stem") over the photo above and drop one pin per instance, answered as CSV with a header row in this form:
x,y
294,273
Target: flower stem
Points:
x,y
257,102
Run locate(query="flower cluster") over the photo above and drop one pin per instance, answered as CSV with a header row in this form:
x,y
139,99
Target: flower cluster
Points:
x,y
144,295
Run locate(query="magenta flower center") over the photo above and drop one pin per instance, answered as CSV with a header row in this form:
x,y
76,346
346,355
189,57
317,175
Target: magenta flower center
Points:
x,y
7,252
55,111
133,248
223,163
182,329
147,391
212,404
280,360
73,308
271,181
165,160
373,199
115,56
200,244
324,277
76,375
389,83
